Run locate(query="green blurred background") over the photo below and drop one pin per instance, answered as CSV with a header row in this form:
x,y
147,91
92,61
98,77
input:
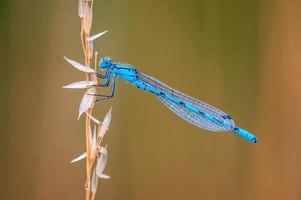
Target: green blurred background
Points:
x,y
240,56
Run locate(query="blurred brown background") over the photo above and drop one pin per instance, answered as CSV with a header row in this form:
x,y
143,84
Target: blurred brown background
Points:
x,y
241,56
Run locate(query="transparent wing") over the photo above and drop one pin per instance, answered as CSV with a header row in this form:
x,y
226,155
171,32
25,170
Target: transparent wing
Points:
x,y
189,116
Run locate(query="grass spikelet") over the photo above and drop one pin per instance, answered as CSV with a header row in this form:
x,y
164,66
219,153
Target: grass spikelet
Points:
x,y
95,154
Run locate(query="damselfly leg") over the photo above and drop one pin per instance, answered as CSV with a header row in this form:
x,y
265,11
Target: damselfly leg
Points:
x,y
105,85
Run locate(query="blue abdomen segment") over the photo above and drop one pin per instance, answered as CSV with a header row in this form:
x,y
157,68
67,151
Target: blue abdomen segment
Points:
x,y
245,134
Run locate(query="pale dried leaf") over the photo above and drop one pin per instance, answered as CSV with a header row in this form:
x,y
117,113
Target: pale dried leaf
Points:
x,y
104,176
105,123
96,121
80,85
87,101
80,8
93,143
103,150
94,182
94,37
82,156
79,66
101,164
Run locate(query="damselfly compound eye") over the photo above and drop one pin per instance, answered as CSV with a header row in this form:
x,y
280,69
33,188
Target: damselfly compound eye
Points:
x,y
105,62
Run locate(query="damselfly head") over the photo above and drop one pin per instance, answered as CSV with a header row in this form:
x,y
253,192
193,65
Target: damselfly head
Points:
x,y
105,62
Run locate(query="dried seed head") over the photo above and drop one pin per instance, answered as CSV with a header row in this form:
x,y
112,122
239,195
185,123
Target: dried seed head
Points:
x,y
104,176
101,163
91,47
82,156
94,37
80,85
87,101
93,143
79,66
88,17
103,150
94,182
96,121
105,124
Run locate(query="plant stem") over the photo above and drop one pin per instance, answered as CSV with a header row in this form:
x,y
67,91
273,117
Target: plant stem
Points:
x,y
88,125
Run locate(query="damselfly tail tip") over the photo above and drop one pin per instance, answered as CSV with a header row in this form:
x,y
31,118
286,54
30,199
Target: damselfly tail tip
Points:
x,y
254,140
245,134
